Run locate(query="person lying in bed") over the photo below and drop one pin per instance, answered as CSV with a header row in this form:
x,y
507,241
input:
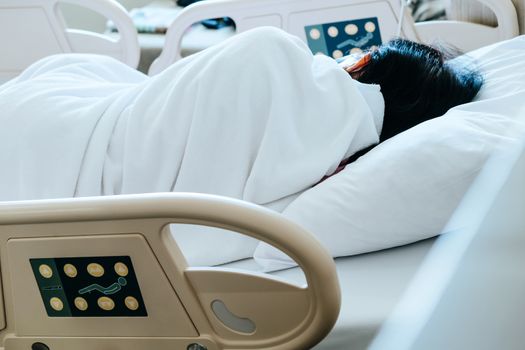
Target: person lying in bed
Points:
x,y
418,83
257,117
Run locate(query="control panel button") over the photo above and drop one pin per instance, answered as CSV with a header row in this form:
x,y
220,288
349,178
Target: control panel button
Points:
x,y
131,303
106,303
56,304
121,269
96,286
70,270
95,270
81,303
45,271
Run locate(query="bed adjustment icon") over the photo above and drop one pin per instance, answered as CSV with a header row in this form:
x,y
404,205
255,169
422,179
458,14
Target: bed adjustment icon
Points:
x,y
112,289
89,286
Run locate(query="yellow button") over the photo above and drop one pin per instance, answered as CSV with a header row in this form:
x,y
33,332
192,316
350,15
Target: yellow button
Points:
x,y
131,303
95,270
70,270
121,269
45,271
106,303
56,304
81,303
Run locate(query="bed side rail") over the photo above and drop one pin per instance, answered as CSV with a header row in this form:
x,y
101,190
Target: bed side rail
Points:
x,y
105,272
469,36
33,29
125,48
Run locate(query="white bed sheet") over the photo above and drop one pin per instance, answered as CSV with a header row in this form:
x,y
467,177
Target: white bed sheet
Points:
x,y
371,285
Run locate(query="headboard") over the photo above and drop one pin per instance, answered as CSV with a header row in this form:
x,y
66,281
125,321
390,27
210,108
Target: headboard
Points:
x,y
327,24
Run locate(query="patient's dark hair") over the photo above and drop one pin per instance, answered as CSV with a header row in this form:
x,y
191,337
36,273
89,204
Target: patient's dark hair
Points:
x,y
418,83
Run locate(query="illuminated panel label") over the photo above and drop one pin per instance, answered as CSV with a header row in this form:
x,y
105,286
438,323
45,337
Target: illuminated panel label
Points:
x,y
340,39
89,287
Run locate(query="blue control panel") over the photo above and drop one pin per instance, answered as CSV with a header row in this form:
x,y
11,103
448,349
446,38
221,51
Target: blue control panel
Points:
x,y
89,286
340,39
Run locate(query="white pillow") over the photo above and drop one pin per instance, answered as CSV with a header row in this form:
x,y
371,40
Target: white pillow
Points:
x,y
406,189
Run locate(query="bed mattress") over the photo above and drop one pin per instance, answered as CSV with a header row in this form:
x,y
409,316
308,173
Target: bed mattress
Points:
x,y
371,285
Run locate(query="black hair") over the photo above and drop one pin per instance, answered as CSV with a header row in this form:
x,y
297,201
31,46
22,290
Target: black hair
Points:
x,y
418,83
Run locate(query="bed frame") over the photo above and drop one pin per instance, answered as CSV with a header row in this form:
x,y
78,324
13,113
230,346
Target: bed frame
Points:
x,y
33,29
106,273
295,15
473,11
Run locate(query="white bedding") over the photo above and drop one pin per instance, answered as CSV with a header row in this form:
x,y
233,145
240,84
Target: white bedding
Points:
x,y
407,188
257,118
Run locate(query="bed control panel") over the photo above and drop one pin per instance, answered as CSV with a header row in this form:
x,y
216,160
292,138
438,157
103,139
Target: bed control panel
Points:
x,y
88,286
340,39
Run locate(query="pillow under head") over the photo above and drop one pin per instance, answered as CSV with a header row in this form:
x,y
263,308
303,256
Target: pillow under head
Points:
x,y
406,189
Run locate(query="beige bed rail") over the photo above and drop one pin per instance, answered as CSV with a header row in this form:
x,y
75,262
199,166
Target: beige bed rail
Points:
x,y
58,258
294,15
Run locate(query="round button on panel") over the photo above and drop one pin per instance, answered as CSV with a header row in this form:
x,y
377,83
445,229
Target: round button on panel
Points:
x,y
95,270
333,31
56,304
131,303
106,303
70,270
370,27
315,34
337,54
81,303
121,269
45,271
351,29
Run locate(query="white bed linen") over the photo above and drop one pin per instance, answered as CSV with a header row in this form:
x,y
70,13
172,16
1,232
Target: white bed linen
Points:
x,y
407,188
257,118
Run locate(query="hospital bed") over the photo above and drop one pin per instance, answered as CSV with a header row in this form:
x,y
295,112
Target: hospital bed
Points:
x,y
96,273
33,29
105,272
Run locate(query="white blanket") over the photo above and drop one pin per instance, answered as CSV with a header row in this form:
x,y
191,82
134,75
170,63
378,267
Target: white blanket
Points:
x,y
256,118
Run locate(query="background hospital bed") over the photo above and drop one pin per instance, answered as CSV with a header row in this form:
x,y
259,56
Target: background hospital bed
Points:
x,y
296,16
473,11
33,29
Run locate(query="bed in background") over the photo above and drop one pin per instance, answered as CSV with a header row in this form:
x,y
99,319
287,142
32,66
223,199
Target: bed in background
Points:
x,y
358,25
33,29
473,11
